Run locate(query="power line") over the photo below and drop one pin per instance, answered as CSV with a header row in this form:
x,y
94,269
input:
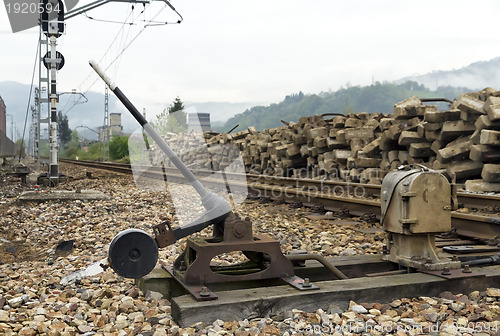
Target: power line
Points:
x,y
106,52
151,23
29,100
120,32
123,39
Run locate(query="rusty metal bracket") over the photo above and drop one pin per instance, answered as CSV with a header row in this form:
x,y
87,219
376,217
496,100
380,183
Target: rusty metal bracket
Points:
x,y
454,273
263,251
464,249
200,292
163,236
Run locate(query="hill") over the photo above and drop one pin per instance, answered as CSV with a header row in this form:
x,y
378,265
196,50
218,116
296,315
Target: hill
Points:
x,y
379,97
477,75
91,113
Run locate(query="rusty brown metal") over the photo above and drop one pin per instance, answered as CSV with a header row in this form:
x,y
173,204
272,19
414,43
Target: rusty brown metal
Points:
x,y
199,292
266,261
319,258
193,271
454,273
237,229
163,236
232,129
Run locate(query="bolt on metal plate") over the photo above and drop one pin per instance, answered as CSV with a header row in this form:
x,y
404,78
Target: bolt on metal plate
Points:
x,y
454,273
299,283
199,292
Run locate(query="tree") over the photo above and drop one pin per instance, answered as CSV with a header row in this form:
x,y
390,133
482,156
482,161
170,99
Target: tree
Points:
x,y
118,147
349,108
177,111
172,119
178,105
63,128
379,97
73,146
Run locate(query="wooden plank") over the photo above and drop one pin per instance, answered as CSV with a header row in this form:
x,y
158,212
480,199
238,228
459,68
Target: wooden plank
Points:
x,y
259,302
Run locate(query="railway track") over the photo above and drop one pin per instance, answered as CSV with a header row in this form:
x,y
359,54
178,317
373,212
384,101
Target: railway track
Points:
x,y
479,221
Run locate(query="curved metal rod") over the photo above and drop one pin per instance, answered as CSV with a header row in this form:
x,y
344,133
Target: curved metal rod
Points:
x,y
428,100
320,259
333,114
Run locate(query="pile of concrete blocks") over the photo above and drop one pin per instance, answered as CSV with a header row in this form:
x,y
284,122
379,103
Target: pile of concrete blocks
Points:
x,y
485,147
462,141
194,152
468,141
339,147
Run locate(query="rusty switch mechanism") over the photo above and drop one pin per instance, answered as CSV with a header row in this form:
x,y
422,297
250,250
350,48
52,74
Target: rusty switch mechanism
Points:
x,y
134,253
265,261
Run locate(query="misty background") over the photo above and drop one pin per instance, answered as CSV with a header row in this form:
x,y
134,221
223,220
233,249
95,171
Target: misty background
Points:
x,y
225,115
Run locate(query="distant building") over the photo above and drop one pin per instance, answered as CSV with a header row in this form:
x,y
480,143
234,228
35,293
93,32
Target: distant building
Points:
x,y
105,133
197,121
102,133
3,116
115,124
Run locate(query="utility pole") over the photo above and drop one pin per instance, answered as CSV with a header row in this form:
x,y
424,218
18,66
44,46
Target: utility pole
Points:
x,y
36,120
51,27
30,148
17,136
105,126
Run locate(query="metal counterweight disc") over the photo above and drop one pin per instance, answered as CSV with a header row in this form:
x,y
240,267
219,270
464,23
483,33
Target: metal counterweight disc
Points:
x,y
133,253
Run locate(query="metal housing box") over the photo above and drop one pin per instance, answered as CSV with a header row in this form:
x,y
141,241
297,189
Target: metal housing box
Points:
x,y
416,202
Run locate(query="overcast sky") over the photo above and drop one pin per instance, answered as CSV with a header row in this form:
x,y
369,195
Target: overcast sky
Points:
x,y
261,51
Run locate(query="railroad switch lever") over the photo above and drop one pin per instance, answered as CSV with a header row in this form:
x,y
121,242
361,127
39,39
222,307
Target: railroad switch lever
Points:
x,y
165,235
134,253
217,208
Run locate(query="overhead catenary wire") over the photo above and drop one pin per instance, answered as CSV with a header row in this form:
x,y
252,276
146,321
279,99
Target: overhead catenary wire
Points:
x,y
124,24
129,44
124,38
115,39
167,4
108,21
162,23
29,101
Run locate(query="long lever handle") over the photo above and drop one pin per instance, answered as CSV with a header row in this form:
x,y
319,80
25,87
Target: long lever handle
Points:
x,y
202,191
217,207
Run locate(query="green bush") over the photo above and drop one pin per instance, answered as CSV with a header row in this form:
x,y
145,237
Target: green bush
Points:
x,y
118,147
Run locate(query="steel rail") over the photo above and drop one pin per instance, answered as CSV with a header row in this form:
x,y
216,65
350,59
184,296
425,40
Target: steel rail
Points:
x,y
332,196
371,191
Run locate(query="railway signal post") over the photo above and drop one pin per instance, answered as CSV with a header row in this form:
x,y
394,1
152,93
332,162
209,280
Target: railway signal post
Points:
x,y
52,21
